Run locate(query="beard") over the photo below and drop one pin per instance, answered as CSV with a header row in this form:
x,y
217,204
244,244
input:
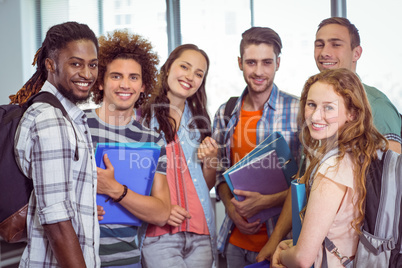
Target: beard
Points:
x,y
68,94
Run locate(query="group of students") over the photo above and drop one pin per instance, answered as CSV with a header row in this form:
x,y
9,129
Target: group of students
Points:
x,y
139,104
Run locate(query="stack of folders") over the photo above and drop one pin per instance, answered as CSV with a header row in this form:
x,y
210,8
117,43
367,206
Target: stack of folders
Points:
x,y
298,203
134,166
267,169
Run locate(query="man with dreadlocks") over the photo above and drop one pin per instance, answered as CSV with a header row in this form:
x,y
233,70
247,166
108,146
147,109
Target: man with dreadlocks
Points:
x,y
63,230
127,73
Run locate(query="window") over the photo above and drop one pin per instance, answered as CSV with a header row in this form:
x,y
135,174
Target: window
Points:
x,y
297,31
147,18
55,12
380,39
218,31
216,27
117,14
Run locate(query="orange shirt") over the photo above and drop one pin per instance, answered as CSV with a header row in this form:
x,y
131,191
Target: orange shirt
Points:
x,y
182,193
245,140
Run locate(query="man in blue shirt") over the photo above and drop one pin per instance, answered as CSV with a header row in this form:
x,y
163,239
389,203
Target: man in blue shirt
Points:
x,y
261,110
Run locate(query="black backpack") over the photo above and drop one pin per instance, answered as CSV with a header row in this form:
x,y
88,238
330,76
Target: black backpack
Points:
x,y
15,187
230,104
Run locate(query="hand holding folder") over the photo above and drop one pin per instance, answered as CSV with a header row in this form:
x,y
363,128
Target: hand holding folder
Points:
x,y
134,165
267,169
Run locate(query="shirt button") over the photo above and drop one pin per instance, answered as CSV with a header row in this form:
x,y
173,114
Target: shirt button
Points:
x,y
86,132
182,142
195,180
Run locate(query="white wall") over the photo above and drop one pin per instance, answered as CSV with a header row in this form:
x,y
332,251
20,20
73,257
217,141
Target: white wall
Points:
x,y
17,45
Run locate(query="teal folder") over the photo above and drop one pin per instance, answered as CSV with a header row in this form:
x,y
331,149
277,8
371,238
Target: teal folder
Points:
x,y
134,165
267,169
298,203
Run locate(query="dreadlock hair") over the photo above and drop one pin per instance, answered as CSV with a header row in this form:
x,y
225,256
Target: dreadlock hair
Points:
x,y
57,38
357,136
158,105
122,45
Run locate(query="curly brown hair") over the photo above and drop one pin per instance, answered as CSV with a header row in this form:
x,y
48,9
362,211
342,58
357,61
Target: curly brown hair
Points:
x,y
122,45
358,136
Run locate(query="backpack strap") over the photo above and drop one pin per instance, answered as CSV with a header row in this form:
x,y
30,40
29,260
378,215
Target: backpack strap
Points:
x,y
330,246
51,99
400,115
326,156
230,104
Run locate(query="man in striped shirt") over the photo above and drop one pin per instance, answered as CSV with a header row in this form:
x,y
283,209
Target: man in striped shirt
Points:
x,y
127,69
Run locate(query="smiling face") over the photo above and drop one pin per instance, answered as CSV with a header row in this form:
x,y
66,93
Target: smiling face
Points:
x,y
333,49
75,70
122,84
325,112
259,65
186,75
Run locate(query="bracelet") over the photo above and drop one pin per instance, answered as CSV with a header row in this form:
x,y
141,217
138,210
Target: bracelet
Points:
x,y
121,197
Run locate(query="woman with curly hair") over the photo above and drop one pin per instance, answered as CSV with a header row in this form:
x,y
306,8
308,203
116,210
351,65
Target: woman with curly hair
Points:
x,y
188,238
127,69
335,115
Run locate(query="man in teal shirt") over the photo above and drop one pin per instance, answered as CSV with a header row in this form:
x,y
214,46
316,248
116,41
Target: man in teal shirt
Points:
x,y
337,45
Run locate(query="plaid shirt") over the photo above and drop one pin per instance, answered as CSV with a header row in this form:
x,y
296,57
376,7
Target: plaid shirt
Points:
x,y
280,114
64,189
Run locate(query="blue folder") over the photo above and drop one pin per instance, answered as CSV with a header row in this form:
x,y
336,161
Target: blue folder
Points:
x,y
134,165
261,264
298,203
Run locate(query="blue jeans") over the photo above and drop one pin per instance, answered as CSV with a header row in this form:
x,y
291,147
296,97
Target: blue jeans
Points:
x,y
238,258
182,249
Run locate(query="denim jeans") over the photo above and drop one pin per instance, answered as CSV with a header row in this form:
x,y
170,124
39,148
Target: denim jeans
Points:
x,y
238,258
182,249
